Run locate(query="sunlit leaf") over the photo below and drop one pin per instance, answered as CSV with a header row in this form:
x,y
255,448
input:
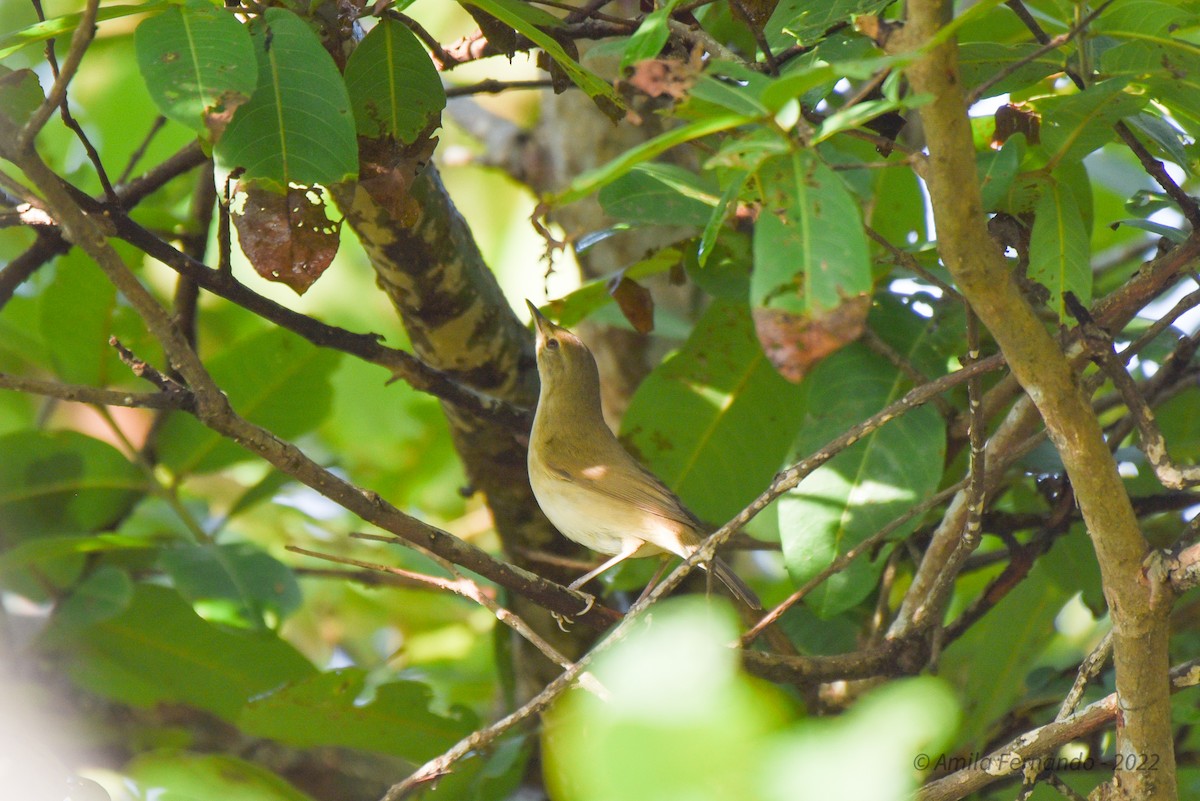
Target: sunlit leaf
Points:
x,y
330,709
867,485
237,583
394,89
713,420
810,252
198,63
650,36
297,128
180,775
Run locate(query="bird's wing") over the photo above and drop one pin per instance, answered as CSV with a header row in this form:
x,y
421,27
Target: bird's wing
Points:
x,y
648,494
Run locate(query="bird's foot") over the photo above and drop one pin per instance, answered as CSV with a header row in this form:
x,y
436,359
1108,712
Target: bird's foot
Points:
x,y
564,621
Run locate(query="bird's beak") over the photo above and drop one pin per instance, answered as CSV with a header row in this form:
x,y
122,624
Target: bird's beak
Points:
x,y
539,320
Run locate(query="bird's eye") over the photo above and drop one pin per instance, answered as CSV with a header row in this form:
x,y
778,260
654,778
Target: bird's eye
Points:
x,y
552,344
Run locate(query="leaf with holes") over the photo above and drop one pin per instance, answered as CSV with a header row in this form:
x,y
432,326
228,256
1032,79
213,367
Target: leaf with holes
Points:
x,y
288,238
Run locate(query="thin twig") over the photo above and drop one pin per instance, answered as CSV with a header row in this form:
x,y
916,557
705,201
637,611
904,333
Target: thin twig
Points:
x,y
1041,742
1153,167
76,393
1046,47
840,563
493,86
459,585
159,123
80,41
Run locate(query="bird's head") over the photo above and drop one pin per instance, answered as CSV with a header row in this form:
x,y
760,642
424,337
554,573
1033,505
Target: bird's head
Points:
x,y
565,364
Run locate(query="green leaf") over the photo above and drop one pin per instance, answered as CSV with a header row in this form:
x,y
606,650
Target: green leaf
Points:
x,y
807,21
1058,248
716,219
660,194
1161,133
733,88
575,306
160,651
56,27
810,252
62,481
592,180
20,94
898,210
274,379
196,60
899,725
714,420
651,35
997,169
297,128
105,593
1075,125
329,709
865,486
520,17
861,113
696,733
174,776
33,553
1174,234
80,352
979,61
235,584
394,88
992,659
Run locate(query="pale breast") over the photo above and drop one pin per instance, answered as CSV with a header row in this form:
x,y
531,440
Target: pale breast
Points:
x,y
594,521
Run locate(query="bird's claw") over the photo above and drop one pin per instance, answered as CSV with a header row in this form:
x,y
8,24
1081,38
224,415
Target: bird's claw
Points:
x,y
565,620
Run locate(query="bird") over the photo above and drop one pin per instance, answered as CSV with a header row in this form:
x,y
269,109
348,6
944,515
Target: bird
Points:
x,y
592,490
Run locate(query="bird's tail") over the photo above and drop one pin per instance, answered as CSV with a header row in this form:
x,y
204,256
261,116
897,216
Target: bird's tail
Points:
x,y
739,588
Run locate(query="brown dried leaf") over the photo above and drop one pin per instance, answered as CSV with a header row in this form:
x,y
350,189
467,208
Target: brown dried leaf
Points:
x,y
1011,120
287,238
794,343
755,13
387,169
659,77
635,302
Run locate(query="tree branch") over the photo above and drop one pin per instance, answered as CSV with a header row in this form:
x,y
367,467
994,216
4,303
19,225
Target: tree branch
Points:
x,y
1139,612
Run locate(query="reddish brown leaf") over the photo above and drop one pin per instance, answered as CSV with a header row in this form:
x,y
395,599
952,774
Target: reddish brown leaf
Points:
x,y
794,343
386,171
217,117
635,302
287,238
1011,120
659,77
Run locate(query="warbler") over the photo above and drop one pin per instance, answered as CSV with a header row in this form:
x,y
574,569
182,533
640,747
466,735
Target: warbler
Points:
x,y
587,484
